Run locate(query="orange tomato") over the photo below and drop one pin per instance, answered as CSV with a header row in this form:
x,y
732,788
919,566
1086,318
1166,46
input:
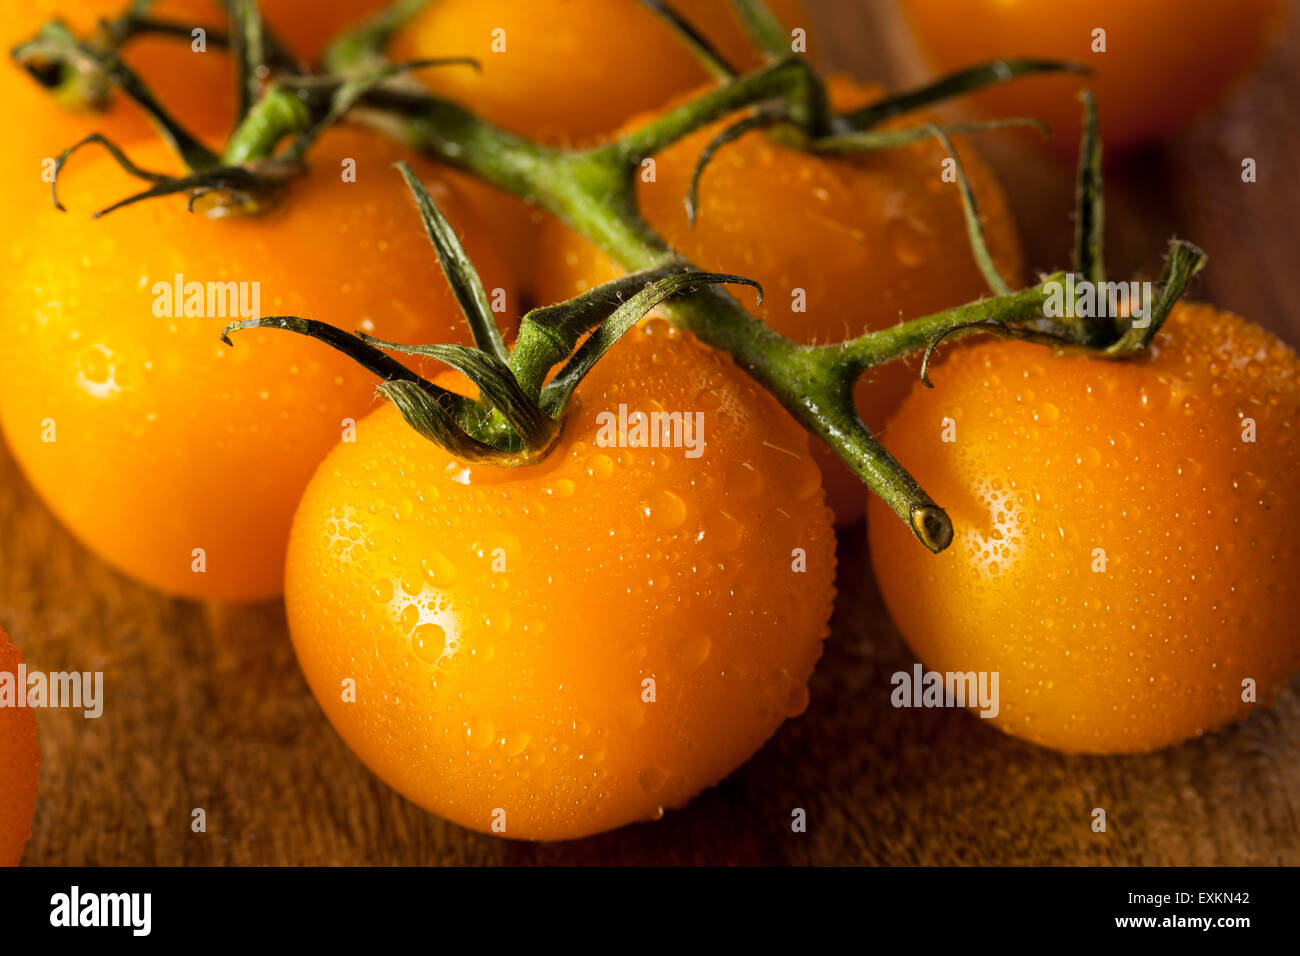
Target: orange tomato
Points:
x,y
571,73
1164,61
1127,533
308,26
148,437
568,71
555,651
840,245
20,760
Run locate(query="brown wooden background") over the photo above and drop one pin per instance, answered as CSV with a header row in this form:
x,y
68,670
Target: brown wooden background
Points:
x,y
206,707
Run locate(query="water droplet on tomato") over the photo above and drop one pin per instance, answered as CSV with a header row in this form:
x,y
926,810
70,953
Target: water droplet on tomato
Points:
x,y
1154,395
652,780
720,531
1244,483
692,651
410,617
438,570
479,731
560,488
797,700
664,509
428,642
600,466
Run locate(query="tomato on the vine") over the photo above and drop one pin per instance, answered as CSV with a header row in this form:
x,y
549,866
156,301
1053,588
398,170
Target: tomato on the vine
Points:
x,y
20,759
1126,547
175,458
1156,64
568,71
558,650
841,246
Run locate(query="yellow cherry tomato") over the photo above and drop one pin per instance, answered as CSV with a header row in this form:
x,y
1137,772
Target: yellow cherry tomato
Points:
x,y
550,652
1127,533
175,458
1155,64
568,71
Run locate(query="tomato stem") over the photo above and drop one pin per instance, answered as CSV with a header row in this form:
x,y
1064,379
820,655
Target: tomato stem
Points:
x,y
968,80
763,25
246,44
1089,216
363,46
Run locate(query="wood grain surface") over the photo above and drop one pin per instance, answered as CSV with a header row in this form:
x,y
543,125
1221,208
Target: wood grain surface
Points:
x,y
205,706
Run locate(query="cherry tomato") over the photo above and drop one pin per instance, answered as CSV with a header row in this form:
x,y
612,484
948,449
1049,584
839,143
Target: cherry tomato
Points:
x,y
572,72
148,437
568,71
1164,61
556,651
1127,533
308,26
20,760
840,245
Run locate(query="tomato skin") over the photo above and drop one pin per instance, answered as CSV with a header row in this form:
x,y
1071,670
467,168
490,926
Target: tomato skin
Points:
x,y
20,760
572,70
308,26
870,240
1056,456
616,565
1165,61
166,440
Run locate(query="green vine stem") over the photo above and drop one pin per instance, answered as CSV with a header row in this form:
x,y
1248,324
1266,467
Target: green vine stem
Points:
x,y
763,25
594,192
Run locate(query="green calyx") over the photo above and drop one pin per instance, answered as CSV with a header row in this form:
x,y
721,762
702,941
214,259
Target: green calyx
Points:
x,y
73,72
516,417
283,107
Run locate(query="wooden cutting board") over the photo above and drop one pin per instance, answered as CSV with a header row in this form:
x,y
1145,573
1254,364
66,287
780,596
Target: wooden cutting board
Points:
x,y
205,706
